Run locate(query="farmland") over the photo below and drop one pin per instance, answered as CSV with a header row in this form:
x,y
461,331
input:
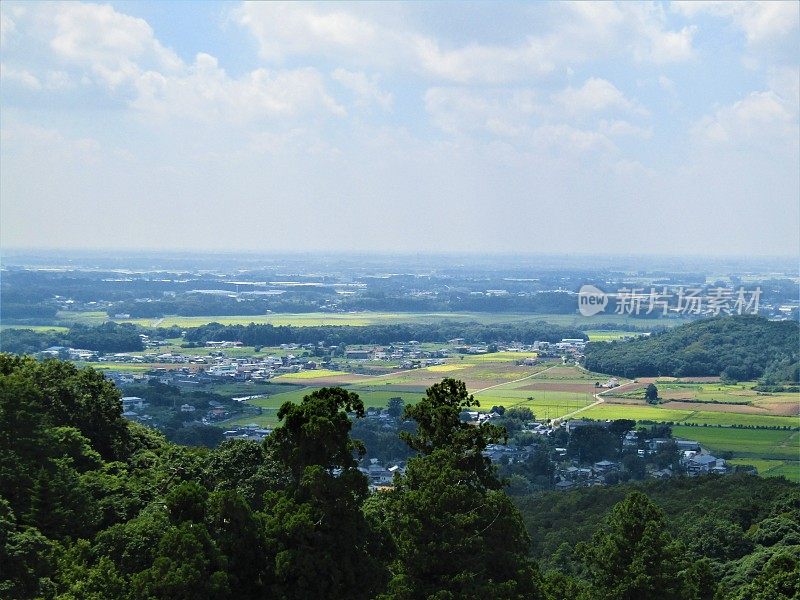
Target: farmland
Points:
x,y
374,318
773,453
558,390
657,414
713,396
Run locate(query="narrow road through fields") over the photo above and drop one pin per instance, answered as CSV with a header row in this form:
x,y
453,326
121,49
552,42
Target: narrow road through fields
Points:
x,y
491,387
598,400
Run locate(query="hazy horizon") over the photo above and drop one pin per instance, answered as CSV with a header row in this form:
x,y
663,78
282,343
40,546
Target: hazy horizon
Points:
x,y
664,129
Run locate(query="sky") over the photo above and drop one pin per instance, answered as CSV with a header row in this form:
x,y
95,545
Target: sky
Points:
x,y
587,128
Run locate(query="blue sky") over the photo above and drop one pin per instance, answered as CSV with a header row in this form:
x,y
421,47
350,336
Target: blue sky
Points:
x,y
663,128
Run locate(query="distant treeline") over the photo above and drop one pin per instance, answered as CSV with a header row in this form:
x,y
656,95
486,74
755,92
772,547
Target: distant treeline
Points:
x,y
472,333
309,301
108,337
738,348
124,337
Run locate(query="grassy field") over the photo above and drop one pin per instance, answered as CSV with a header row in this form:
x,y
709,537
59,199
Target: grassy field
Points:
x,y
772,468
307,375
602,335
738,393
376,318
641,412
764,443
717,397
37,328
84,318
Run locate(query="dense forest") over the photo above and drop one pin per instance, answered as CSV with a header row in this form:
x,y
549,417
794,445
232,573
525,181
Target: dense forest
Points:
x,y
108,337
93,507
472,333
736,347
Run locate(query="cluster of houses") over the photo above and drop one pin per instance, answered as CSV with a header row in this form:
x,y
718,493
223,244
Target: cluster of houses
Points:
x,y
133,408
380,476
581,476
251,432
78,354
569,474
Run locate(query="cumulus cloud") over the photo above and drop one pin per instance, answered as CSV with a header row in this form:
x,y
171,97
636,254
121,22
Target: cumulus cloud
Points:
x,y
583,32
112,44
206,92
760,118
365,88
102,46
504,113
595,95
761,22
20,76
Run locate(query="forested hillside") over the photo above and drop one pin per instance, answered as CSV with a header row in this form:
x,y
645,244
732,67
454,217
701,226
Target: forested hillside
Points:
x,y
736,347
93,507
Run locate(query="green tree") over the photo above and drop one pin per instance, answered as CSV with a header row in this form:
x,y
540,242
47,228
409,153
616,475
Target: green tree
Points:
x,y
449,504
651,393
188,565
319,541
779,580
633,556
239,536
439,426
395,407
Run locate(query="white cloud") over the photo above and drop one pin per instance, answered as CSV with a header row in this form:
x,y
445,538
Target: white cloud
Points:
x,y
505,113
51,80
619,128
761,22
205,92
595,95
20,76
563,137
287,28
666,84
113,44
366,89
651,40
582,32
7,28
481,63
98,45
765,119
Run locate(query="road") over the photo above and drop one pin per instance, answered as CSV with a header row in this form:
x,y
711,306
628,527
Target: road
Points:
x,y
491,387
598,400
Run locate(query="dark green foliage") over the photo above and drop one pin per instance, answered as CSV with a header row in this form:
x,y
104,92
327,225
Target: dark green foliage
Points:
x,y
198,435
334,335
93,507
395,407
651,393
592,443
244,466
188,565
439,426
108,337
439,510
779,579
633,555
448,504
319,541
739,348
